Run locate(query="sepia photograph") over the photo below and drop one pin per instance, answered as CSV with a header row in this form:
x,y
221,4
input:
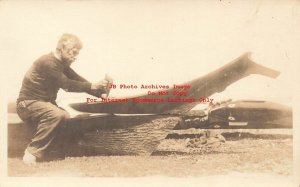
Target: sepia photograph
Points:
x,y
144,93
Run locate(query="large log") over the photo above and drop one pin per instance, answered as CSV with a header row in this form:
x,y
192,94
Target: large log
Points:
x,y
98,135
135,140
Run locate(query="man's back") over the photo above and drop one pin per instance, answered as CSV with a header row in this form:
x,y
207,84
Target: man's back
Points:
x,y
38,83
43,80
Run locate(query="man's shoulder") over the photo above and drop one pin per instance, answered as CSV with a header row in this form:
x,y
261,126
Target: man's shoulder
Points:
x,y
45,58
47,61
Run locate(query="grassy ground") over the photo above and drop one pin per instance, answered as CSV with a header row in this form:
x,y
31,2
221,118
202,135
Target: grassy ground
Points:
x,y
249,155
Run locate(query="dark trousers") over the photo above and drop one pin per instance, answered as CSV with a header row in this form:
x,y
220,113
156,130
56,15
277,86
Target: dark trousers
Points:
x,y
49,119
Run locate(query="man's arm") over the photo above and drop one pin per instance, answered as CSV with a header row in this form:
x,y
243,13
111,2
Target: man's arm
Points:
x,y
55,73
71,74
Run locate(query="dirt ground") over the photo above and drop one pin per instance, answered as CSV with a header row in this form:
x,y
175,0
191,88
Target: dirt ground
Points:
x,y
251,154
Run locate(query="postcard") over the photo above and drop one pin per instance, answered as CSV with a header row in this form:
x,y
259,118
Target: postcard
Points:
x,y
165,93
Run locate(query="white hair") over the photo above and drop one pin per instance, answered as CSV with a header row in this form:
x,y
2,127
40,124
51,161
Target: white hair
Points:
x,y
68,39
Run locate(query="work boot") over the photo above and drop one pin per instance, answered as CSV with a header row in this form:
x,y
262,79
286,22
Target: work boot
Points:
x,y
29,159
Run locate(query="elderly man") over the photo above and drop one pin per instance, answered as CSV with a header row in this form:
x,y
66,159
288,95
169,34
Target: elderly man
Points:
x,y
36,102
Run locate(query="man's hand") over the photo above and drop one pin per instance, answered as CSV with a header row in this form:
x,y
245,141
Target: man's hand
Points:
x,y
99,88
102,88
99,85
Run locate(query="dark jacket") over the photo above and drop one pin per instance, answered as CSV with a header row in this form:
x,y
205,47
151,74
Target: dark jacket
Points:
x,y
46,76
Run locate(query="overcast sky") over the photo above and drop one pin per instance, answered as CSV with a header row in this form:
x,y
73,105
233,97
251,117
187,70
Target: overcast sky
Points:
x,y
156,42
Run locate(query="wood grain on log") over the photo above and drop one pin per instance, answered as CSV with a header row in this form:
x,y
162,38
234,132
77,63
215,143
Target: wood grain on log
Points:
x,y
136,140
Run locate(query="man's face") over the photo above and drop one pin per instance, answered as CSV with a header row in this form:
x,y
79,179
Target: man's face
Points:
x,y
69,53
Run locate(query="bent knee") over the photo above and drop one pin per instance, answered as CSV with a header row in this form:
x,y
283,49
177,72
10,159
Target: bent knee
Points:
x,y
64,115
61,115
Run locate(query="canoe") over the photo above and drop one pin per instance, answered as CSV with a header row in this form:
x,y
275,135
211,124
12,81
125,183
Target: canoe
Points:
x,y
201,87
240,114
